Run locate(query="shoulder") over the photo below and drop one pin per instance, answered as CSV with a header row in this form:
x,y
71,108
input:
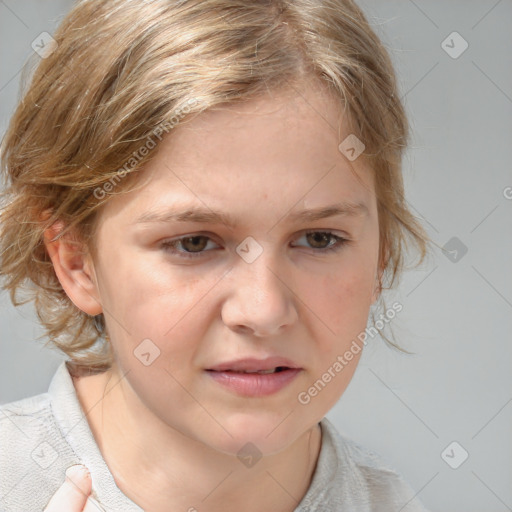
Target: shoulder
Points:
x,y
351,477
25,409
22,424
33,453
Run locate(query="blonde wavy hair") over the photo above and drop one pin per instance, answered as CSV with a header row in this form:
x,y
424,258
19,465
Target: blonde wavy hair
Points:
x,y
120,69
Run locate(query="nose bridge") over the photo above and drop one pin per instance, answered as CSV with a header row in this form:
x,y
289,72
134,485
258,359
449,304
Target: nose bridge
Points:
x,y
257,272
259,298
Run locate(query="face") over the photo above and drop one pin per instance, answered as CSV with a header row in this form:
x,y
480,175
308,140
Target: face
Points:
x,y
271,283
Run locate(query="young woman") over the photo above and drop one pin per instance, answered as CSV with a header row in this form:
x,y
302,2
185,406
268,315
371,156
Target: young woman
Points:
x,y
205,198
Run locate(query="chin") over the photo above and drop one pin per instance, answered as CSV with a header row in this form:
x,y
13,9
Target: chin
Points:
x,y
264,432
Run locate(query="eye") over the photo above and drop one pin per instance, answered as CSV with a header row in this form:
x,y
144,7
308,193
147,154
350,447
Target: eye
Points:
x,y
325,241
195,246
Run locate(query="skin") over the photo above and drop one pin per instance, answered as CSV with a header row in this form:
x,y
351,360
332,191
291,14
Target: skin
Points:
x,y
181,431
73,495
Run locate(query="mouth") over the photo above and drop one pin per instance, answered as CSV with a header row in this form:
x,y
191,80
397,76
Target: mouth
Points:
x,y
255,378
272,364
276,369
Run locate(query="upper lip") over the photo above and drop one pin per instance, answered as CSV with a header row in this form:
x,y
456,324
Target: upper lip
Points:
x,y
252,365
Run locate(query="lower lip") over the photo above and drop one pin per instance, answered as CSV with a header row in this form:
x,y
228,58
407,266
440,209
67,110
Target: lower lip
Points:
x,y
255,384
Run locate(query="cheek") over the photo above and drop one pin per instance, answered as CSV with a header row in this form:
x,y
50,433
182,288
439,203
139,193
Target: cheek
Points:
x,y
168,305
341,299
149,295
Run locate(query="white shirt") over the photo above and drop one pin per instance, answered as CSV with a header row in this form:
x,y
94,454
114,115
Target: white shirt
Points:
x,y
41,436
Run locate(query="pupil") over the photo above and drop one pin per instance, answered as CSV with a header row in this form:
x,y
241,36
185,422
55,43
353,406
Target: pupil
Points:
x,y
194,245
316,236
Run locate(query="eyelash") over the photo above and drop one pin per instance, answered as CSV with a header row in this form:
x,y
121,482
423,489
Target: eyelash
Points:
x,y
170,245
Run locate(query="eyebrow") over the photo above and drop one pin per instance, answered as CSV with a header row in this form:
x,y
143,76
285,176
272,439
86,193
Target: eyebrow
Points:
x,y
207,216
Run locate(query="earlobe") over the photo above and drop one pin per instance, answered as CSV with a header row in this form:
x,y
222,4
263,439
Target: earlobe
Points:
x,y
376,294
74,269
377,290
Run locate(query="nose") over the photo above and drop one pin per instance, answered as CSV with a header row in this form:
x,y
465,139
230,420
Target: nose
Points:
x,y
261,301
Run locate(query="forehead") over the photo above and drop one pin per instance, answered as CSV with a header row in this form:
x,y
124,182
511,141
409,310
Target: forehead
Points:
x,y
276,152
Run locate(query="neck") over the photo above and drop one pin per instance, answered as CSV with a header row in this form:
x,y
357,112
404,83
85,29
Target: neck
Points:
x,y
159,468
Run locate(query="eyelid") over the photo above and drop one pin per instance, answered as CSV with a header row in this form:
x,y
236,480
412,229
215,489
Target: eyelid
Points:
x,y
339,242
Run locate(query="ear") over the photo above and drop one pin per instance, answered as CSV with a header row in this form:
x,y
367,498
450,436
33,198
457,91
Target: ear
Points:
x,y
377,290
382,263
74,269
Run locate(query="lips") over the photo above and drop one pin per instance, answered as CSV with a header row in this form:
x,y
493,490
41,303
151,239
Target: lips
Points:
x,y
254,384
251,365
254,372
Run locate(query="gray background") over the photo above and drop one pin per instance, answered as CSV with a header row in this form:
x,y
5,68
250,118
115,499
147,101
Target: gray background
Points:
x,y
457,315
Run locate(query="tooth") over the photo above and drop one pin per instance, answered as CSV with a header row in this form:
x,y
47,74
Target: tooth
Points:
x,y
262,372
